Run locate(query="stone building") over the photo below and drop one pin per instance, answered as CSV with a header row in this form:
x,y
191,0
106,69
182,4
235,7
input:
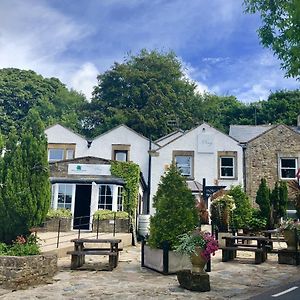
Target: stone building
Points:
x,y
270,151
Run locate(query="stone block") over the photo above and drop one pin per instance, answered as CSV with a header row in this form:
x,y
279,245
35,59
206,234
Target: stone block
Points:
x,y
288,257
194,281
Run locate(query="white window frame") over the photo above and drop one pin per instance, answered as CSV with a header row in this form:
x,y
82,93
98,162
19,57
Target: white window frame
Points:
x,y
233,167
287,168
64,203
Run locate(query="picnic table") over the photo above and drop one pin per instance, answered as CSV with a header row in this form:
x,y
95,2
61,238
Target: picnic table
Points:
x,y
82,248
236,243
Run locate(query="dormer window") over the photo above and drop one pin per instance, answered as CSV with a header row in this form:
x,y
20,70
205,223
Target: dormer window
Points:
x,y
120,152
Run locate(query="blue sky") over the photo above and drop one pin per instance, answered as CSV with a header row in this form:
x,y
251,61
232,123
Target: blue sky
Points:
x,y
74,40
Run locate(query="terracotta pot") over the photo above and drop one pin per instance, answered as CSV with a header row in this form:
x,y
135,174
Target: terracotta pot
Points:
x,y
198,261
289,236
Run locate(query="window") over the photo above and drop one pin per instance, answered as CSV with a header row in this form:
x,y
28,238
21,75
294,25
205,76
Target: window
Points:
x,y
120,152
184,164
121,155
120,198
227,164
227,167
288,167
105,197
57,152
64,196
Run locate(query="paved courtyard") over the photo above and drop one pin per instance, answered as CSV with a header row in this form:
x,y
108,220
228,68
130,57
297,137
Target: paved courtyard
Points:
x,y
239,279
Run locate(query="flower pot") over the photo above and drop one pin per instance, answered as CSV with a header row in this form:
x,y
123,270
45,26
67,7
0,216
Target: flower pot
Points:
x,y
289,236
198,261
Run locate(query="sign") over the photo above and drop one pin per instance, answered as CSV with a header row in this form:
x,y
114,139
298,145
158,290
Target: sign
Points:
x,y
205,143
88,169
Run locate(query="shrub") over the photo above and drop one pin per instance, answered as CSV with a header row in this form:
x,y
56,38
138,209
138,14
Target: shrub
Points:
x,y
59,213
263,200
243,210
105,214
176,212
21,247
256,222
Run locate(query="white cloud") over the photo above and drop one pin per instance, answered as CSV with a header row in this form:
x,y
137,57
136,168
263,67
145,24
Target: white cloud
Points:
x,y
85,79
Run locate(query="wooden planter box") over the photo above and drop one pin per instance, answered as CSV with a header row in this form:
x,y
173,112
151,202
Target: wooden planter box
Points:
x,y
164,261
122,225
52,224
19,272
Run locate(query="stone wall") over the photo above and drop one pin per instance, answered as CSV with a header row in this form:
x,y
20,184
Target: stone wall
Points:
x,y
19,272
262,156
52,224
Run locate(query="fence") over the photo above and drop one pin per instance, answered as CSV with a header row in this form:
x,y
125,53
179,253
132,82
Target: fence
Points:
x,y
62,228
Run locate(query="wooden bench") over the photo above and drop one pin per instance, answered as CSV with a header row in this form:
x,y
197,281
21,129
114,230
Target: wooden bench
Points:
x,y
80,251
229,253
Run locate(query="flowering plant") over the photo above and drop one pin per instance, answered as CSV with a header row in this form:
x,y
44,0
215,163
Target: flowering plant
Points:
x,y
188,242
290,225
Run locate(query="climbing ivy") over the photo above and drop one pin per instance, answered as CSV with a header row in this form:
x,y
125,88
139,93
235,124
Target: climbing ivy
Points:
x,y
130,172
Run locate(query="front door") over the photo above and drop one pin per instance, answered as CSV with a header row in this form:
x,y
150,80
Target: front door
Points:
x,y
82,208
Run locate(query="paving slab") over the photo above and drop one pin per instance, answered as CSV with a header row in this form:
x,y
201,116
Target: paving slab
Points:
x,y
238,279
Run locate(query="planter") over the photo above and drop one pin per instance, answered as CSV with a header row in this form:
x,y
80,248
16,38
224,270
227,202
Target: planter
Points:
x,y
290,238
198,261
121,225
164,261
52,224
18,272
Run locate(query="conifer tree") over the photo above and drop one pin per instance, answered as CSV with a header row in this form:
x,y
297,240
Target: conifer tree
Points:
x,y
275,200
263,200
283,199
25,177
175,210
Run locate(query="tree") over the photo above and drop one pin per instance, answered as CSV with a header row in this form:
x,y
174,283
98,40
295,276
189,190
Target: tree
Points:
x,y
25,197
22,90
275,203
283,199
175,210
145,92
263,200
280,30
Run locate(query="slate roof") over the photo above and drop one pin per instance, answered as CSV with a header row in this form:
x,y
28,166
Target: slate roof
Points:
x,y
245,133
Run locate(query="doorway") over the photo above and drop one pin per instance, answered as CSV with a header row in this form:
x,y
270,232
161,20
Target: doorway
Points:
x,y
82,207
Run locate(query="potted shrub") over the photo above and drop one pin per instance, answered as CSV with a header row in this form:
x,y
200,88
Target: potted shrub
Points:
x,y
198,245
291,232
175,214
104,220
54,216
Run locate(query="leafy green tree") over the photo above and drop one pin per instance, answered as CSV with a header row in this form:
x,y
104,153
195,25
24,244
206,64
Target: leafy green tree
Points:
x,y
243,209
175,210
263,200
21,90
145,92
280,30
25,178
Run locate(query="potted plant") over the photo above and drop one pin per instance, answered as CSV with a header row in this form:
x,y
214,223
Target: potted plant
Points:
x,y
198,245
291,232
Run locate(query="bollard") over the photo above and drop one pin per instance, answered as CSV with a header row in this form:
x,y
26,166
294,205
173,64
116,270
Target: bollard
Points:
x,y
58,233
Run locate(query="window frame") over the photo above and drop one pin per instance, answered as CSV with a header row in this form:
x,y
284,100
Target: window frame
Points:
x,y
181,153
65,148
105,195
115,148
65,185
228,154
287,168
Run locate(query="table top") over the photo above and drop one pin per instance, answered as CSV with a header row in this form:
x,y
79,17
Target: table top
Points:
x,y
107,240
245,238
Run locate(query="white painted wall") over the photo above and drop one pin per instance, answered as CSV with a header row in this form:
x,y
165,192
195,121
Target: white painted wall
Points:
x,y
205,164
58,134
139,146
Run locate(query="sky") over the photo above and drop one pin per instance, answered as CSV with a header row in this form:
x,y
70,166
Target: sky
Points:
x,y
75,40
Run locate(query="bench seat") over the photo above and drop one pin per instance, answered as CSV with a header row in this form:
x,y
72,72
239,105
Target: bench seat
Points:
x,y
228,253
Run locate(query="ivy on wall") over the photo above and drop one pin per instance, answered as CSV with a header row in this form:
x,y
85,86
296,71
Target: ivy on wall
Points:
x,y
130,172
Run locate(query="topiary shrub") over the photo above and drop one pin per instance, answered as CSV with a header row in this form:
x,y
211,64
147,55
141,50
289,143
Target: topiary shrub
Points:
x,y
175,214
263,200
105,214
